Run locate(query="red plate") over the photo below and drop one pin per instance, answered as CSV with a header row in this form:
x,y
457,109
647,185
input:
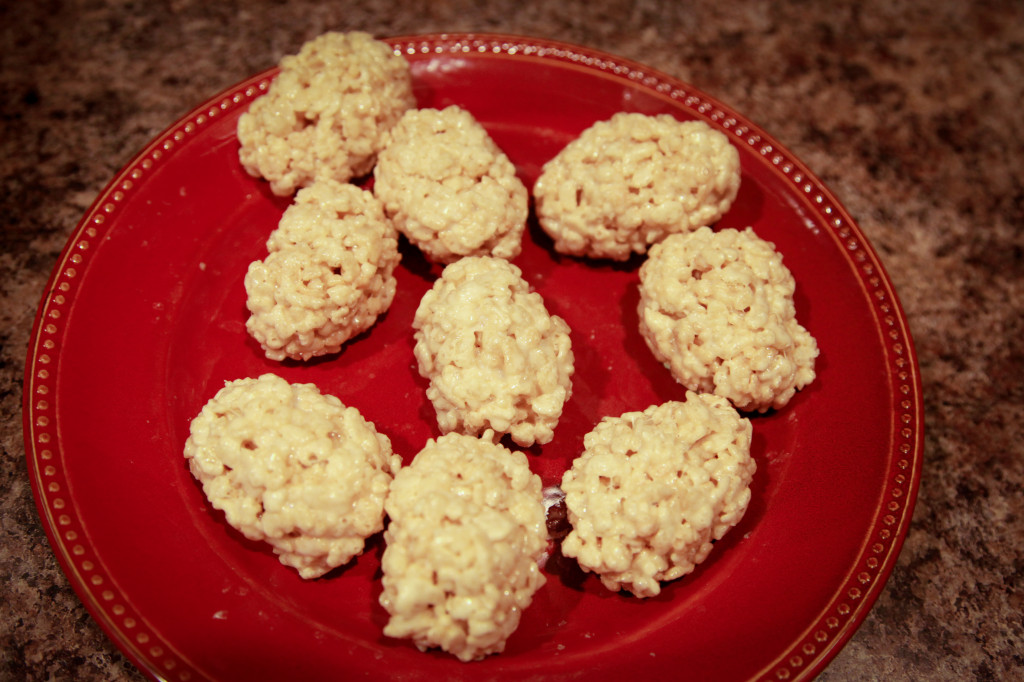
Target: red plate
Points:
x,y
143,321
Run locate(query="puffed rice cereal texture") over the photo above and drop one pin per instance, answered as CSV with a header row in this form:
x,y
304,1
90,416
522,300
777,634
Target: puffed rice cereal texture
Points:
x,y
449,188
294,468
329,275
495,358
326,112
465,533
717,309
653,490
628,182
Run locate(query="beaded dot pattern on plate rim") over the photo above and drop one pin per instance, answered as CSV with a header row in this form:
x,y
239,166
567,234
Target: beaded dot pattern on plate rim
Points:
x,y
113,609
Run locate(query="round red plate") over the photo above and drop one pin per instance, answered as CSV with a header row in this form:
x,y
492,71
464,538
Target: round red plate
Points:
x,y
143,321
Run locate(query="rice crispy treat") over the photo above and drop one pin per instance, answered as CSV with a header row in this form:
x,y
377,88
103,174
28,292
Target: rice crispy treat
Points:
x,y
448,187
628,182
717,309
653,490
466,531
329,274
326,112
495,358
294,468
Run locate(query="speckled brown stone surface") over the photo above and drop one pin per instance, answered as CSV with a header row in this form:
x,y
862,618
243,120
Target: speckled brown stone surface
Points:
x,y
909,110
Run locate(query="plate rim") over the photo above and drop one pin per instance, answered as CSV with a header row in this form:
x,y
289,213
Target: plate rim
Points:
x,y
848,607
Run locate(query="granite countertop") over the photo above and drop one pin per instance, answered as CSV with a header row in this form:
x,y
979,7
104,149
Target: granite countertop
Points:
x,y
909,110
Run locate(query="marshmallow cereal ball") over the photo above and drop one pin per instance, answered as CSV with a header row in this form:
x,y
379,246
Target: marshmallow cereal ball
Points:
x,y
329,274
294,468
326,112
466,530
449,188
495,358
653,490
717,309
628,182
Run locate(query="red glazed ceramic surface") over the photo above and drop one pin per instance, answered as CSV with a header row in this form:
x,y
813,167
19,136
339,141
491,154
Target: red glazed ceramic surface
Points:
x,y
144,320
